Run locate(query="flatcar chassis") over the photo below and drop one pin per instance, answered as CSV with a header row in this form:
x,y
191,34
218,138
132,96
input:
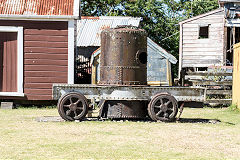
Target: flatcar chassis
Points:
x,y
163,102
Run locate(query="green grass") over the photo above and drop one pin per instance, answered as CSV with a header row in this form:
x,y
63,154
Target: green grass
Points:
x,y
22,137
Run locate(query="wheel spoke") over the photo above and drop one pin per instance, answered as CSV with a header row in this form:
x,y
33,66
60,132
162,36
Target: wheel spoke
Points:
x,y
75,113
71,102
78,101
68,112
66,106
159,113
157,106
161,100
167,103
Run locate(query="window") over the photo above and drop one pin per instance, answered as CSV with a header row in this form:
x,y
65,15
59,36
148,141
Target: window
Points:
x,y
203,32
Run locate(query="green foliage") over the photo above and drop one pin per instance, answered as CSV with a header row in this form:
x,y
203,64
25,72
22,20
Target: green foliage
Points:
x,y
196,7
102,7
160,18
234,108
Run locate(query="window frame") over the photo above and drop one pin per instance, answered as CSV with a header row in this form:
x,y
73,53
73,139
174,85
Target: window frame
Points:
x,y
199,28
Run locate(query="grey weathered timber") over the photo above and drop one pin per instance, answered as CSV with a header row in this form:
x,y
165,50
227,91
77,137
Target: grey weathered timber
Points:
x,y
209,74
220,101
212,83
202,52
218,84
129,92
219,92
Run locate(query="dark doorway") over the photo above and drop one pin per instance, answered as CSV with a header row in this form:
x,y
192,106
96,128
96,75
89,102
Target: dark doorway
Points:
x,y
83,65
233,37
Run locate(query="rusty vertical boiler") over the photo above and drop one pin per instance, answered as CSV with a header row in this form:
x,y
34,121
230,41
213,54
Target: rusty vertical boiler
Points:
x,y
123,56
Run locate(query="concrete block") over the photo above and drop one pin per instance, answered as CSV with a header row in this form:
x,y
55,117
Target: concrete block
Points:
x,y
7,105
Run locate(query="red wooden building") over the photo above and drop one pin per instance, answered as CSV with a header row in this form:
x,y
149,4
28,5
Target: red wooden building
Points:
x,y
36,47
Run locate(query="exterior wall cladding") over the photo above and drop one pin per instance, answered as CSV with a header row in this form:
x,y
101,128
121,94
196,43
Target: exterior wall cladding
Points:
x,y
45,56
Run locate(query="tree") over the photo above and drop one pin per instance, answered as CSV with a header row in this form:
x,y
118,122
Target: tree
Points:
x,y
102,7
192,8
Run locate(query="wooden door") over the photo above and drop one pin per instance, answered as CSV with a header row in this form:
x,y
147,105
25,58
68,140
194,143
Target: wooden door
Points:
x,y
8,62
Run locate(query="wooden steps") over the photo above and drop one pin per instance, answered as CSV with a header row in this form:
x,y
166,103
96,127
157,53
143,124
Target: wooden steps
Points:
x,y
219,101
219,92
218,84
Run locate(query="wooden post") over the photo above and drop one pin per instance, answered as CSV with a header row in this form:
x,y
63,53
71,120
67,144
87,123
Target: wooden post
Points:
x,y
236,76
225,45
94,72
234,35
231,36
180,51
169,73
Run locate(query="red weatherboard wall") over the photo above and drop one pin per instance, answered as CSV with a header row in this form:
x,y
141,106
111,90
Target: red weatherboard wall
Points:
x,y
45,56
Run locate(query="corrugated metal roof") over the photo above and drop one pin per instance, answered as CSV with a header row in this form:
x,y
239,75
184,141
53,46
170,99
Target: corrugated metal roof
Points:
x,y
89,29
37,7
161,51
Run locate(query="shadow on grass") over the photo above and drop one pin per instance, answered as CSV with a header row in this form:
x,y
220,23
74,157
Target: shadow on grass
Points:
x,y
199,120
147,120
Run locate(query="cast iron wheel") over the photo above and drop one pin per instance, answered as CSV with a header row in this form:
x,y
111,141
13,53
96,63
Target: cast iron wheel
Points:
x,y
163,107
72,106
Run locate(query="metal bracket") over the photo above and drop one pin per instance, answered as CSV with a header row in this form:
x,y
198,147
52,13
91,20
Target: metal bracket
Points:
x,y
101,106
181,111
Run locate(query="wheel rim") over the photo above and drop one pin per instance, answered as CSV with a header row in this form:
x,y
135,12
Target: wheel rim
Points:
x,y
73,106
163,107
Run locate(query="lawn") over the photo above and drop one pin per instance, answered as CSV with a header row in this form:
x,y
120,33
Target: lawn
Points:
x,y
22,137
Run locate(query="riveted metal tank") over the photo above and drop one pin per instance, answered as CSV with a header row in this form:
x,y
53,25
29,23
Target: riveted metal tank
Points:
x,y
123,56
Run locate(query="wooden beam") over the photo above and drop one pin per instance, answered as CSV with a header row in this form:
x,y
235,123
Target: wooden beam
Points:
x,y
220,101
169,73
180,51
234,35
209,74
225,40
211,83
219,92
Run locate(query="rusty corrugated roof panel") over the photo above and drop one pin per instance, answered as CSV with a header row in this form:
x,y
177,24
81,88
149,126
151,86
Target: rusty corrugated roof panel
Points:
x,y
90,28
37,7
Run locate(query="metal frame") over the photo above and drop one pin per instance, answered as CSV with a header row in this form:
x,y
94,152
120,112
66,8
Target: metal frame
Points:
x,y
131,93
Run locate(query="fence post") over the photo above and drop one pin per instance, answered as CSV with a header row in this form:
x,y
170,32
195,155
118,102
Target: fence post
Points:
x,y
236,76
